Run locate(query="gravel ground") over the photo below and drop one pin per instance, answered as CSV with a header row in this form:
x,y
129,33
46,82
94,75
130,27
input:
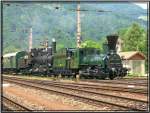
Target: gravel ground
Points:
x,y
106,98
63,80
117,93
69,104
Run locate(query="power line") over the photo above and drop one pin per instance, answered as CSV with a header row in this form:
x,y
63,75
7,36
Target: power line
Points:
x,y
82,10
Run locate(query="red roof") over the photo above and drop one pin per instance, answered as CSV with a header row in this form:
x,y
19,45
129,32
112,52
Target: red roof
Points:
x,y
131,54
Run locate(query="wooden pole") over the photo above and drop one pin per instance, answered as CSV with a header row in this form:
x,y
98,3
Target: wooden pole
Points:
x,y
53,77
77,77
59,77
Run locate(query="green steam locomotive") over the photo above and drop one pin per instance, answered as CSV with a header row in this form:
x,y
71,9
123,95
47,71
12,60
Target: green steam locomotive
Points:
x,y
86,62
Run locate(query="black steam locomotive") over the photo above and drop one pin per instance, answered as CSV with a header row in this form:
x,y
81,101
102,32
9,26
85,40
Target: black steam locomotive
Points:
x,y
86,62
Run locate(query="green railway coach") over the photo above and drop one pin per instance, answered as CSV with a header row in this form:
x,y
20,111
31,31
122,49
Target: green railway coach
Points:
x,y
13,61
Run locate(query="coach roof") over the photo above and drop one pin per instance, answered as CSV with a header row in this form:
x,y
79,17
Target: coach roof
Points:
x,y
10,54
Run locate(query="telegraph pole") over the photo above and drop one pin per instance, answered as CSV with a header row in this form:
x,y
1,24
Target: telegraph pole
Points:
x,y
46,43
78,26
30,39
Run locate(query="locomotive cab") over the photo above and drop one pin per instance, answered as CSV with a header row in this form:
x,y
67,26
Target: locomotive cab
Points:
x,y
89,56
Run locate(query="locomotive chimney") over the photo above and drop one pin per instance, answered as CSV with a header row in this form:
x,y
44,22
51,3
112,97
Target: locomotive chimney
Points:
x,y
30,39
54,45
112,41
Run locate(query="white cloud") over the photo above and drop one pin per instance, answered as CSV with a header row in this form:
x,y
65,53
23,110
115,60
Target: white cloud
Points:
x,y
143,18
142,4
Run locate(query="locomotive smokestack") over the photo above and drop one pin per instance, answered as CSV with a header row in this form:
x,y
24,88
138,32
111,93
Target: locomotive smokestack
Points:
x,y
54,45
112,41
30,39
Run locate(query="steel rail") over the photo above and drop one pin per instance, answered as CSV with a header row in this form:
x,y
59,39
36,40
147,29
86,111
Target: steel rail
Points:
x,y
73,88
117,82
14,104
91,99
93,86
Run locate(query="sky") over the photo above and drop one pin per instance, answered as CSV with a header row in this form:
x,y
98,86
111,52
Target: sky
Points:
x,y
142,5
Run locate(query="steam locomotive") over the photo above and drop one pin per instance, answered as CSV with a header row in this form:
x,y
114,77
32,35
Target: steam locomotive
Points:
x,y
86,62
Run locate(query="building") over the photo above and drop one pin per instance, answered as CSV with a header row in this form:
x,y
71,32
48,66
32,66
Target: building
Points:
x,y
135,61
119,45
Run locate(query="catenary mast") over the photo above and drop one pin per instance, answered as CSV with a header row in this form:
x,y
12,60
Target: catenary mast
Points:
x,y
78,26
30,39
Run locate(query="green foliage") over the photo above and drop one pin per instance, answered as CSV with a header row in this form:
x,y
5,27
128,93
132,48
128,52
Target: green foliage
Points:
x,y
90,44
134,39
94,44
132,74
10,49
60,24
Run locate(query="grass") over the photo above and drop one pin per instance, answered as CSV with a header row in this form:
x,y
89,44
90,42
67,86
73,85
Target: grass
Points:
x,y
133,75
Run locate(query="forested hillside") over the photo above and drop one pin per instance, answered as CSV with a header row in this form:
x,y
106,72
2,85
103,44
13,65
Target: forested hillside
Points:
x,y
50,20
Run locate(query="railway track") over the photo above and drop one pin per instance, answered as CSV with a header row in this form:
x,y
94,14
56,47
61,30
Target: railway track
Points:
x,y
120,82
125,88
11,105
97,98
94,86
126,81
136,78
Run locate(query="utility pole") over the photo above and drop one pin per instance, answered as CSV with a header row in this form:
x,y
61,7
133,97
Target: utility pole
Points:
x,y
46,43
30,39
78,26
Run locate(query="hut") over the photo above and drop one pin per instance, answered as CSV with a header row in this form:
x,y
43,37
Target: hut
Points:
x,y
135,61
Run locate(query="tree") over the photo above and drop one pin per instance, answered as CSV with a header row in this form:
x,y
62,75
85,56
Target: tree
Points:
x,y
91,44
134,38
10,49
